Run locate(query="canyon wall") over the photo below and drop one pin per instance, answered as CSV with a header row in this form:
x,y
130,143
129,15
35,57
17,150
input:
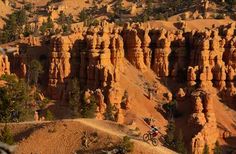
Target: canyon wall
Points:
x,y
95,56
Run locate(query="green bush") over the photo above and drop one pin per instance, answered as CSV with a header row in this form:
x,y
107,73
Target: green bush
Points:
x,y
180,146
110,112
74,95
35,68
126,144
217,149
88,110
206,149
170,134
6,136
47,26
49,115
219,16
65,21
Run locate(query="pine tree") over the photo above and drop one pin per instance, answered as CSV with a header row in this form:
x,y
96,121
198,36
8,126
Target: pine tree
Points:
x,y
14,99
49,115
74,96
206,149
47,26
88,110
180,146
6,136
14,26
34,70
170,134
110,112
217,149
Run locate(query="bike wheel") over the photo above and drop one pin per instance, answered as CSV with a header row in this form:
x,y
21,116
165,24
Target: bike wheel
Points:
x,y
154,142
146,137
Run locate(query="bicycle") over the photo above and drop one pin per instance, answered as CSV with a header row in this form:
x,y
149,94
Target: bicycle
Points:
x,y
152,137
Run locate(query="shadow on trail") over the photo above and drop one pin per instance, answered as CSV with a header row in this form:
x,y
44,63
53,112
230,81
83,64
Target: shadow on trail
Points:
x,y
26,133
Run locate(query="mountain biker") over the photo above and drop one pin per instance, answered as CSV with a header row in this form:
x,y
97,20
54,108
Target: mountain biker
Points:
x,y
154,131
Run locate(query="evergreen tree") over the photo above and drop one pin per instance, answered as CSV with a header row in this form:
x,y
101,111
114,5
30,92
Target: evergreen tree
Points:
x,y
180,146
34,70
206,149
22,17
27,30
47,26
14,26
62,18
66,22
49,115
170,134
83,16
110,112
127,145
88,110
74,96
217,149
6,136
14,100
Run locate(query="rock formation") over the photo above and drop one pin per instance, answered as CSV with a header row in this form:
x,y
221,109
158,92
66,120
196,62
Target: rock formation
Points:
x,y
134,52
60,66
204,121
161,54
4,65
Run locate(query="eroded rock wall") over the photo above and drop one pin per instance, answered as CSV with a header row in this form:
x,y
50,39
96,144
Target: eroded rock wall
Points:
x,y
4,64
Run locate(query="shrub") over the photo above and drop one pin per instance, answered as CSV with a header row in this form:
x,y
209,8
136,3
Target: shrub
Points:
x,y
66,22
47,26
74,96
180,146
206,149
126,144
49,115
217,149
160,16
170,134
219,16
83,15
88,110
173,140
110,112
34,70
6,136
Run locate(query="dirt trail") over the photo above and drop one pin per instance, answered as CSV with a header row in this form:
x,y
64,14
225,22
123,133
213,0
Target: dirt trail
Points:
x,y
65,136
115,129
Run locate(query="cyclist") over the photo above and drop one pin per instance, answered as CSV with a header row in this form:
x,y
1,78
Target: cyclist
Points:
x,y
154,131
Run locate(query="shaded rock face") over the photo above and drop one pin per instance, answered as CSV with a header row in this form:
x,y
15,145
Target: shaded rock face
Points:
x,y
134,39
94,55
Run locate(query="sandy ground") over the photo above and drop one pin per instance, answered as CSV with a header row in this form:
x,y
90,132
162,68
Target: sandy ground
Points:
x,y
135,82
66,137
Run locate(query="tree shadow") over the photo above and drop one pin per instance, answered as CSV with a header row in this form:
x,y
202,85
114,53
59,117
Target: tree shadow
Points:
x,y
26,133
